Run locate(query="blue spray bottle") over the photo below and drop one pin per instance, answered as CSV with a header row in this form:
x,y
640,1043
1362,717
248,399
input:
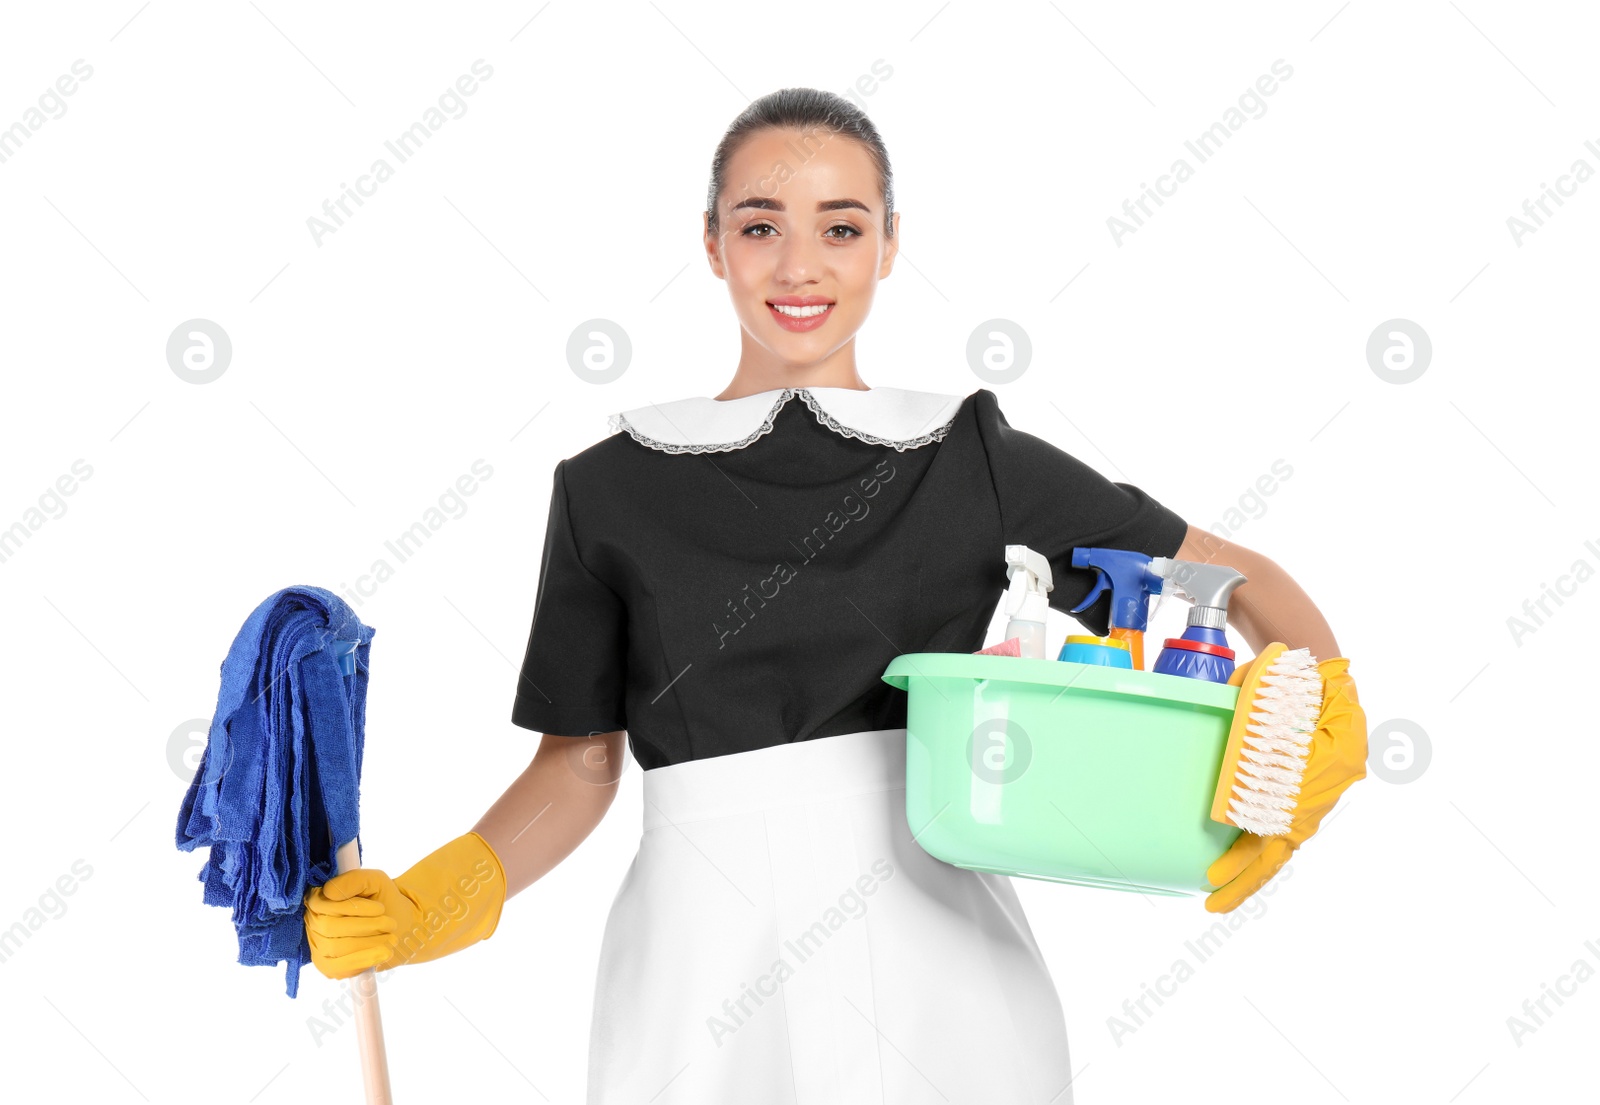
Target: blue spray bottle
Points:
x,y
1129,576
1202,652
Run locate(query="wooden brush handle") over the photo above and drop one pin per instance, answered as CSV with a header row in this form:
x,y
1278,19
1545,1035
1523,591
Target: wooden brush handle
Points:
x,y
369,1023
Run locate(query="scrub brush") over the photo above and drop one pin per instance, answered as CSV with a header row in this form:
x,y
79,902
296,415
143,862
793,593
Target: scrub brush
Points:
x,y
1280,701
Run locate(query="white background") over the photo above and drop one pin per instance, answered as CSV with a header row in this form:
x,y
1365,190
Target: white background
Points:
x,y
371,370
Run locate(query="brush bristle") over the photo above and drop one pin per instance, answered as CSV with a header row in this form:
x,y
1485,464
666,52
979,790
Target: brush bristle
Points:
x,y
1277,739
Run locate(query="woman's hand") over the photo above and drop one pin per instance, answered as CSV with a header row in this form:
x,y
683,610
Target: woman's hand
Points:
x,y
1337,758
351,922
446,901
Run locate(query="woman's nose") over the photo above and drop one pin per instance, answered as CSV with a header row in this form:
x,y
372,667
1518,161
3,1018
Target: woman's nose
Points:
x,y
799,261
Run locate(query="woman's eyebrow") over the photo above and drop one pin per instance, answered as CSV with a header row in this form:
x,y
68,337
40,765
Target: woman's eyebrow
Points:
x,y
767,203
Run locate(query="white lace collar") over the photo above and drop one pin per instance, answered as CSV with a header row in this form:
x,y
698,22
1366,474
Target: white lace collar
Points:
x,y
896,417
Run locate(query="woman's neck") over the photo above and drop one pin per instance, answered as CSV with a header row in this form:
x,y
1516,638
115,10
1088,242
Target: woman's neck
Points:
x,y
750,381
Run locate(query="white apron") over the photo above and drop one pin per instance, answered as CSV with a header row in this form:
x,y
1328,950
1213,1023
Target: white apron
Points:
x,y
780,938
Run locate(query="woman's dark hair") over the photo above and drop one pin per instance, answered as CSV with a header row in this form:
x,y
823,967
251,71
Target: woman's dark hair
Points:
x,y
806,110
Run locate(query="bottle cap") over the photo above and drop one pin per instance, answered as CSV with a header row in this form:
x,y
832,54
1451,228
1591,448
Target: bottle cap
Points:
x,y
1201,646
1086,639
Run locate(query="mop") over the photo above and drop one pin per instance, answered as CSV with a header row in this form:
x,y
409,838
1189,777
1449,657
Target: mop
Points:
x,y
277,794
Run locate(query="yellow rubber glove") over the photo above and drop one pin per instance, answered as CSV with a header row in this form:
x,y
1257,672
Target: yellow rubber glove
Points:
x,y
447,901
1337,758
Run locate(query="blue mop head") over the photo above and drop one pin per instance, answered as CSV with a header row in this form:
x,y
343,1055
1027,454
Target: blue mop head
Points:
x,y
278,787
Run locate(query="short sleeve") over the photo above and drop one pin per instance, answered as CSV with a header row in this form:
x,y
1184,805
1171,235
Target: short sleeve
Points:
x,y
572,677
1053,503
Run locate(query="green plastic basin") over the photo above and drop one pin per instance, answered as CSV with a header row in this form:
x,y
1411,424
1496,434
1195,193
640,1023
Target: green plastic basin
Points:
x,y
1074,773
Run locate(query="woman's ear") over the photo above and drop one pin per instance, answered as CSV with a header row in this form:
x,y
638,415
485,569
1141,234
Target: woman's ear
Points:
x,y
891,248
713,246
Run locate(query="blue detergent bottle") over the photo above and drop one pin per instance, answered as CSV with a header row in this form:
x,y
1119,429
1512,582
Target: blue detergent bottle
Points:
x,y
1128,576
1202,652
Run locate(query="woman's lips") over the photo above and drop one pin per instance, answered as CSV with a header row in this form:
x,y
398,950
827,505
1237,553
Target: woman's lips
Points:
x,y
800,325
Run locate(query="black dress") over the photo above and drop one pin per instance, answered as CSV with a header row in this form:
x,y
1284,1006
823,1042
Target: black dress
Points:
x,y
720,576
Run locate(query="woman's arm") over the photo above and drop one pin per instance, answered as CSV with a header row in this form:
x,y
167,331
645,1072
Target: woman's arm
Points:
x,y
1271,606
553,805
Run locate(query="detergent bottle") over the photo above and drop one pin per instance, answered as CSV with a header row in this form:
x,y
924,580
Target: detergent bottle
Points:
x,y
1131,581
1027,598
1105,652
1202,652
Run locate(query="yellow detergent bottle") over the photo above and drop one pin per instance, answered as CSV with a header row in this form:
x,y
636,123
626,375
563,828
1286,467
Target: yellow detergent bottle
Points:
x,y
1107,652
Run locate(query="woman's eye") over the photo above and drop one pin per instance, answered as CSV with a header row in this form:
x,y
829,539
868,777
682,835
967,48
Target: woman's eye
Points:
x,y
849,231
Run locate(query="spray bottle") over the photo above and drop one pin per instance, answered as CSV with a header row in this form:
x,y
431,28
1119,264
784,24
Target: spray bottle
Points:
x,y
1202,652
1026,598
1129,576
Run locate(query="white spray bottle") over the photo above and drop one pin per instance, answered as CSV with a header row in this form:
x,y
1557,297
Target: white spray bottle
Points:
x,y
1026,599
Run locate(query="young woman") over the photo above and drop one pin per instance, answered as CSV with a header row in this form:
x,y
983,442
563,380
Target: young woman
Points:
x,y
724,580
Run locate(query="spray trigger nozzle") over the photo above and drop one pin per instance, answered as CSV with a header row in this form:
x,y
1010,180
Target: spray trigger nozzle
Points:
x,y
1101,583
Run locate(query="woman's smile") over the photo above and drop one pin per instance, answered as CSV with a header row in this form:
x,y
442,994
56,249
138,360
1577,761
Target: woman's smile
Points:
x,y
800,312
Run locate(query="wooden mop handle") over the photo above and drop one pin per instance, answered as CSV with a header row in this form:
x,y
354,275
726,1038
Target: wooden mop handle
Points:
x,y
369,1024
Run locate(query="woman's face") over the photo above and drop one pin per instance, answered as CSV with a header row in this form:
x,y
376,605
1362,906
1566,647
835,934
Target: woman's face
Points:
x,y
801,234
